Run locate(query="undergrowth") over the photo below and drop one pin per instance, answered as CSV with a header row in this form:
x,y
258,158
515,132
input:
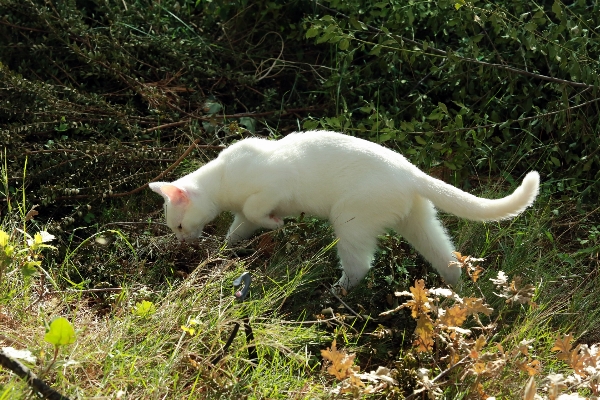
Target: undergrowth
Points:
x,y
526,325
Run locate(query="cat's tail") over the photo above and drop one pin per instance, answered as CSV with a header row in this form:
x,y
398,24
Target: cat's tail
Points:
x,y
462,204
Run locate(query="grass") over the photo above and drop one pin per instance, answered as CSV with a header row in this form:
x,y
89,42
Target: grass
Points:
x,y
123,353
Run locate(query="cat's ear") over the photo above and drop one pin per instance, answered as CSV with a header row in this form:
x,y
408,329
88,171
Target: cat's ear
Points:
x,y
170,192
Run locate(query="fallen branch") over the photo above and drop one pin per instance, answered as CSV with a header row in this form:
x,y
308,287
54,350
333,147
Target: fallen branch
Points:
x,y
32,380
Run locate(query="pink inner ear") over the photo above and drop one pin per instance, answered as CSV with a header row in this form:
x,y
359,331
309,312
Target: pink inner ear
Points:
x,y
176,195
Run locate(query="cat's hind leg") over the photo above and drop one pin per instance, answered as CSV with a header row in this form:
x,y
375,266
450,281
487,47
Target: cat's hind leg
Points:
x,y
240,229
422,229
355,248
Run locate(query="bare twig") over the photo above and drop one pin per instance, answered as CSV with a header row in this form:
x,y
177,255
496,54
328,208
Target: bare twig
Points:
x,y
344,303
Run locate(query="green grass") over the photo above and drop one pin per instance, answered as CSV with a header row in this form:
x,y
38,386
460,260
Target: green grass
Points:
x,y
151,356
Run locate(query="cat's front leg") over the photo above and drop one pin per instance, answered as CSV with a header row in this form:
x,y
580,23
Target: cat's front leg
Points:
x,y
259,209
240,229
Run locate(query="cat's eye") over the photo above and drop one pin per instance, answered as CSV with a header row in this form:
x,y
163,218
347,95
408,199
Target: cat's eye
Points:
x,y
179,227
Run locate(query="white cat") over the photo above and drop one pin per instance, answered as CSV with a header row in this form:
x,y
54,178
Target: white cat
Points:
x,y
361,187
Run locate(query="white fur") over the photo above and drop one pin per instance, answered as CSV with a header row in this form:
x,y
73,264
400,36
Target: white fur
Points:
x,y
361,187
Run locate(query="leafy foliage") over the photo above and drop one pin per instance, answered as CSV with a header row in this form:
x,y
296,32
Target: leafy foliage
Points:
x,y
107,95
495,86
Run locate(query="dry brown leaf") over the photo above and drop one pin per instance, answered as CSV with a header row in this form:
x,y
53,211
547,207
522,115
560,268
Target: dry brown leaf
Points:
x,y
501,280
475,305
478,368
524,346
520,294
481,392
466,263
266,244
480,342
31,213
580,359
532,368
424,333
500,349
563,346
477,347
474,275
454,316
494,367
461,259
341,362
420,302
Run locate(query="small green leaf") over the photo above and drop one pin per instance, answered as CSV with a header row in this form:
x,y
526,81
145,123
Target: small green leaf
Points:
x,y
310,124
443,107
458,120
420,140
556,9
212,108
144,309
356,24
312,32
30,268
9,250
248,123
436,115
375,51
450,165
61,332
89,217
344,44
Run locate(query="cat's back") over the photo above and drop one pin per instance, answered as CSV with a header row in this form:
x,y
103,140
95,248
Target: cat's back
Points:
x,y
315,150
252,147
328,145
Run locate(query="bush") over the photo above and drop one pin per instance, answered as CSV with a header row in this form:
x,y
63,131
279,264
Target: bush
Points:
x,y
470,85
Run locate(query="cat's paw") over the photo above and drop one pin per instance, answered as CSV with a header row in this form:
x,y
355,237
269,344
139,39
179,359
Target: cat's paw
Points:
x,y
273,222
339,290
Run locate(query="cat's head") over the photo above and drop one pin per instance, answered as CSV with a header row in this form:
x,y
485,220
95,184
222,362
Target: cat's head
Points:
x,y
187,210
